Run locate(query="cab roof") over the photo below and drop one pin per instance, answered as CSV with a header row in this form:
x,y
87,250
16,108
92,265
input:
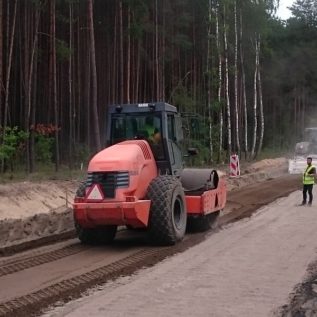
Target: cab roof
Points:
x,y
142,107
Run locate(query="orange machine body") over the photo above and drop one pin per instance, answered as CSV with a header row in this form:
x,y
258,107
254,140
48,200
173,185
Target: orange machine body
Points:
x,y
131,167
127,204
209,201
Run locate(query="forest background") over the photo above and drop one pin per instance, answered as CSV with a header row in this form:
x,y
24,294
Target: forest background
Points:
x,y
246,80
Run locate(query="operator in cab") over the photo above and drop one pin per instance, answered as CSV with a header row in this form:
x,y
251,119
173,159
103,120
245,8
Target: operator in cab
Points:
x,y
153,132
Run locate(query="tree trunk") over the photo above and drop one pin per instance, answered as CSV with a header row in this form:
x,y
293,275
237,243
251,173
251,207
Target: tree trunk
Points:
x,y
128,72
29,88
88,99
163,47
157,68
121,86
244,95
219,87
115,65
25,70
1,60
236,78
295,113
303,109
260,101
9,64
138,63
9,61
208,71
227,83
34,102
54,80
255,99
10,42
79,85
70,60
94,76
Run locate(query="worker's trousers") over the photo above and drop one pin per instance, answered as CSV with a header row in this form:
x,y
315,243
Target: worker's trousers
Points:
x,y
309,189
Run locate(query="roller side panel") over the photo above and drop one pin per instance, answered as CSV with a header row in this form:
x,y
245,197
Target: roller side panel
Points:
x,y
208,202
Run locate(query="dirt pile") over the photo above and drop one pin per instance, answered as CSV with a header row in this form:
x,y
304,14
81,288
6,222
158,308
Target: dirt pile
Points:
x,y
31,210
21,200
303,300
267,164
259,171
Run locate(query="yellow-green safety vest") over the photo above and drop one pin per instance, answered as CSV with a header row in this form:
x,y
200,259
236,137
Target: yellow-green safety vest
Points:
x,y
308,179
150,130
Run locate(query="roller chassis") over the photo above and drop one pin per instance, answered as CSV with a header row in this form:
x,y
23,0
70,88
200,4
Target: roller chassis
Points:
x,y
201,208
131,184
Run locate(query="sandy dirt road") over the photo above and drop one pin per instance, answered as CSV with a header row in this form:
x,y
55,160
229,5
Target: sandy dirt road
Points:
x,y
248,268
36,278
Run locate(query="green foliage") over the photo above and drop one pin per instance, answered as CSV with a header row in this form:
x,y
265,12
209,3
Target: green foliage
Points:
x,y
274,152
196,134
81,154
203,156
43,148
182,41
12,140
290,76
12,144
39,4
140,13
182,99
62,50
305,11
288,61
72,1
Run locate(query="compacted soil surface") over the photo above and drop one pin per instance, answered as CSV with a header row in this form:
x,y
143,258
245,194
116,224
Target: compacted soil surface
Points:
x,y
244,268
247,268
260,261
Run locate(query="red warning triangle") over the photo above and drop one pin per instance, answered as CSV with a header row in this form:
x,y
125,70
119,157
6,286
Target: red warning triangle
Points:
x,y
95,193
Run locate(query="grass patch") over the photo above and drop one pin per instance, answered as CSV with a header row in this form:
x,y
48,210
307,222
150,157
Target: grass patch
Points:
x,y
44,173
271,153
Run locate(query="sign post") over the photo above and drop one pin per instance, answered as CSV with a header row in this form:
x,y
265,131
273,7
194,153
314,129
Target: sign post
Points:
x,y
234,165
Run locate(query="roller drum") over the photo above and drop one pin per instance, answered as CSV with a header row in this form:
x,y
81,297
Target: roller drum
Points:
x,y
199,179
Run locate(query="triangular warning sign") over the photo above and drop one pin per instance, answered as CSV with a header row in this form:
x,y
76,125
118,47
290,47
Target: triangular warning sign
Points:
x,y
95,193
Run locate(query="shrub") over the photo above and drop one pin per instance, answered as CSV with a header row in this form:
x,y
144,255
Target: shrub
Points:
x,y
12,144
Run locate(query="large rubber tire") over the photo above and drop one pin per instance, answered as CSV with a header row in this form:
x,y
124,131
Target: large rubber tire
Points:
x,y
203,223
96,236
168,215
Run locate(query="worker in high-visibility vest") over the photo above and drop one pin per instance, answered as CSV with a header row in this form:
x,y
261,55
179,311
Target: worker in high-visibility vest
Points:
x,y
153,133
308,182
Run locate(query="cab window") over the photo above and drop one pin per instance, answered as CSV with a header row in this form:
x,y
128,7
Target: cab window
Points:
x,y
139,126
171,127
